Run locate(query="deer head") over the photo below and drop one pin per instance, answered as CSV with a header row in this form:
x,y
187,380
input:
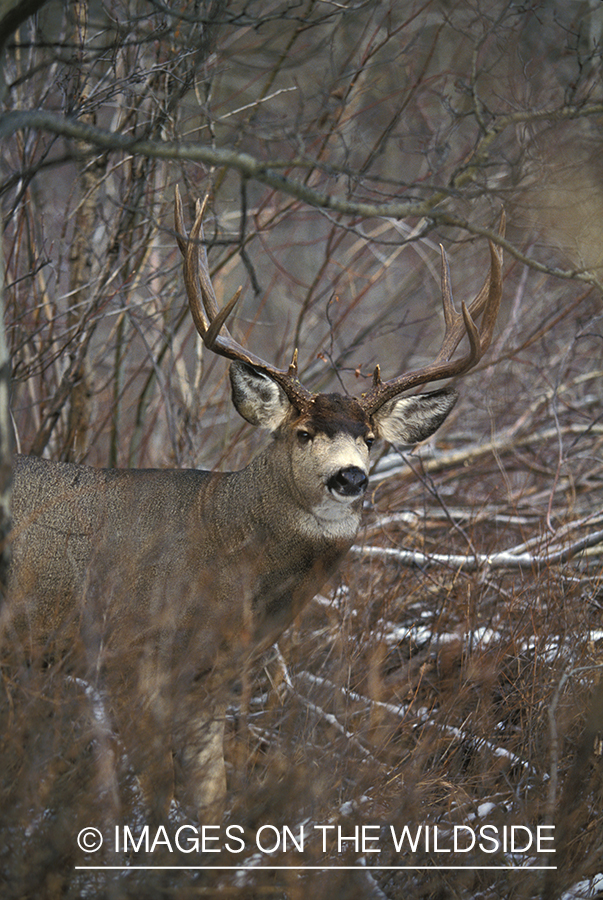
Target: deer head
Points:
x,y
309,424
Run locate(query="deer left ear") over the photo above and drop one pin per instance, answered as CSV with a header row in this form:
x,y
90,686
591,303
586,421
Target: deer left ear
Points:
x,y
257,397
408,420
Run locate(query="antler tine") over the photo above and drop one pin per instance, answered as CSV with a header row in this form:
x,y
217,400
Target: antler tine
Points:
x,y
218,323
486,304
210,320
186,243
200,290
456,324
181,235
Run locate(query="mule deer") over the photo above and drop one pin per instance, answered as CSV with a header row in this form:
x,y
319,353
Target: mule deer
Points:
x,y
160,581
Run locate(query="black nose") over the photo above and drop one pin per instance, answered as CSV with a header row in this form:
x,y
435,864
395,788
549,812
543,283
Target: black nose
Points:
x,y
350,481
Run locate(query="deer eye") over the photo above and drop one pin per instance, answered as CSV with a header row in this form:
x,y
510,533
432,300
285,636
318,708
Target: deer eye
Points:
x,y
304,437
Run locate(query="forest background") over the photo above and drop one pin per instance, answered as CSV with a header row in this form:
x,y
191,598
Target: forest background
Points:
x,y
450,673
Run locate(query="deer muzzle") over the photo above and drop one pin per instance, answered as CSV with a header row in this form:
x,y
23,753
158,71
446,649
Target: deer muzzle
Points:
x,y
348,482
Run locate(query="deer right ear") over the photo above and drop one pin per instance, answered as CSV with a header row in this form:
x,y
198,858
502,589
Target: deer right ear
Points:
x,y
257,397
408,420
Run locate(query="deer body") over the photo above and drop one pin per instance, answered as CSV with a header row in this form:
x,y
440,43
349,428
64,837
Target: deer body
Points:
x,y
139,532
126,573
162,586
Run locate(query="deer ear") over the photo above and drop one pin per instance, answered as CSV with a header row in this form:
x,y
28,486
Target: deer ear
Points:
x,y
408,420
257,397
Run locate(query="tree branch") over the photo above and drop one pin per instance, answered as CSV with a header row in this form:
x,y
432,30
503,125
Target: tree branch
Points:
x,y
258,170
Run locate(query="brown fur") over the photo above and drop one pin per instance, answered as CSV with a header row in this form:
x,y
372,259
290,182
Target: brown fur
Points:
x,y
161,587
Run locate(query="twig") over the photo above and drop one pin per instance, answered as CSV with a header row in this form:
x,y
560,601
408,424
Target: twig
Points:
x,y
423,714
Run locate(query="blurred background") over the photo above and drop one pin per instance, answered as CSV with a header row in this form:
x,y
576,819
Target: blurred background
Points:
x,y
450,673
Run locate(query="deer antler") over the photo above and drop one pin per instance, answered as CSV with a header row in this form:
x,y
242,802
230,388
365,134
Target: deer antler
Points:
x,y
210,320
486,304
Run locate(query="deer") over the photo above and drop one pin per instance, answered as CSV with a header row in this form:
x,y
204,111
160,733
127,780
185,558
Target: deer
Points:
x,y
160,587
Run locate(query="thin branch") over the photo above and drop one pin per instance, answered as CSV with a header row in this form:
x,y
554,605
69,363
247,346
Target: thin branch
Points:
x,y
258,170
505,559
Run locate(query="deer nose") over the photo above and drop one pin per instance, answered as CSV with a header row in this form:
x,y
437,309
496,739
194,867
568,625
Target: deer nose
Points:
x,y
350,481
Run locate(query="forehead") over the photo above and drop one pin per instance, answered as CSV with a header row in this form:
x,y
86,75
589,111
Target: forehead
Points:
x,y
332,414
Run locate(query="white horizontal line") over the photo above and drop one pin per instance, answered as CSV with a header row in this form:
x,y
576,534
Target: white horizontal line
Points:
x,y
320,868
